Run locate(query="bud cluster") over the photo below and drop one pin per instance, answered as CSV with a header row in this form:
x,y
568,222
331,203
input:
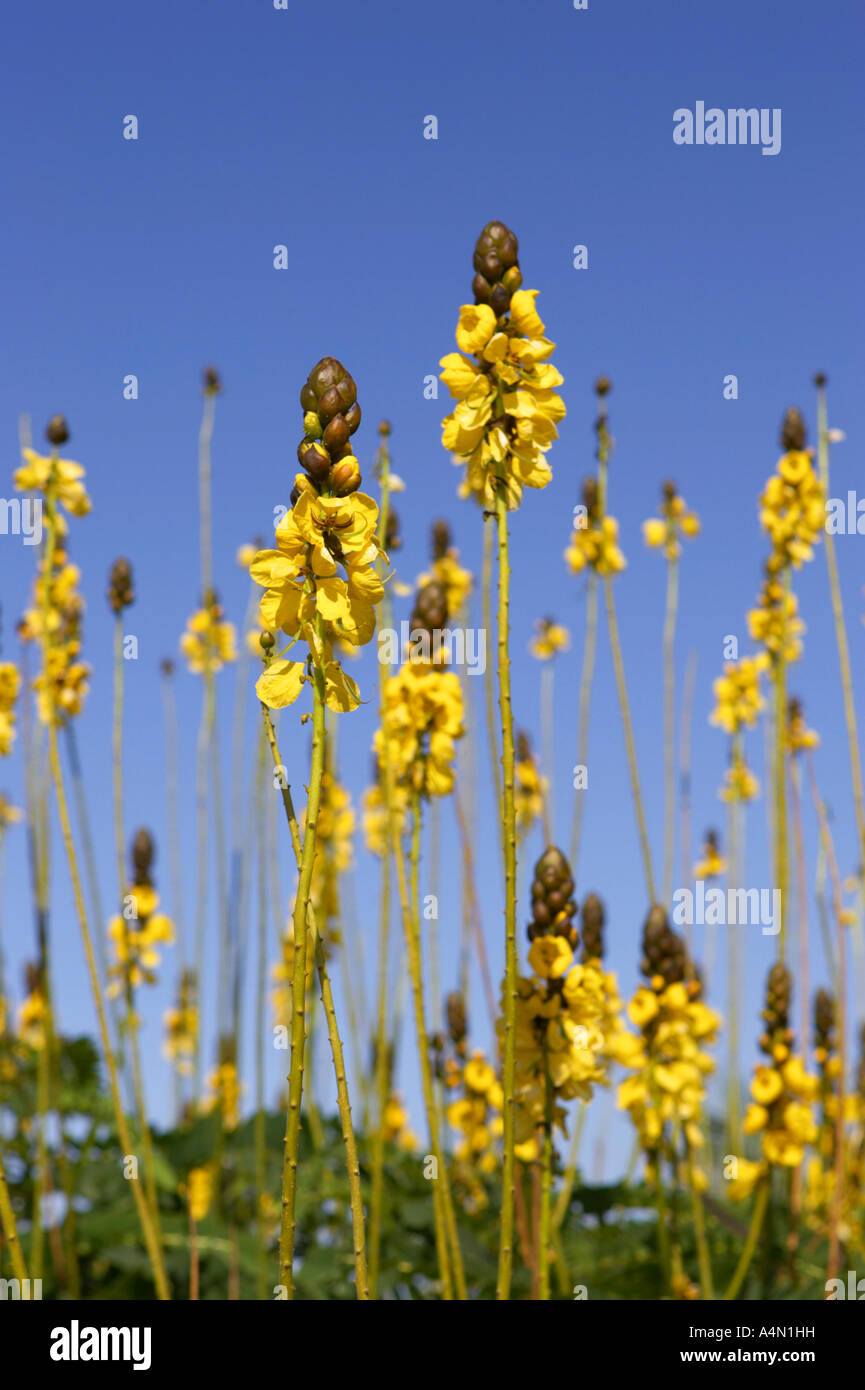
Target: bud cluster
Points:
x,y
331,415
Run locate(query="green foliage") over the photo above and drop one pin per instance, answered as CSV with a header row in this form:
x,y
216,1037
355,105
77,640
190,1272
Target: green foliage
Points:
x,y
608,1238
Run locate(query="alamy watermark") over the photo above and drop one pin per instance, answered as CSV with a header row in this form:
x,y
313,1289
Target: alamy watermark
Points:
x,y
22,516
735,126
733,907
461,646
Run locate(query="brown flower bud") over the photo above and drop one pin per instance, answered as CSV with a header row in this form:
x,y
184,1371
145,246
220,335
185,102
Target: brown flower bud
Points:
x,y
793,430
57,430
441,539
142,857
345,477
120,591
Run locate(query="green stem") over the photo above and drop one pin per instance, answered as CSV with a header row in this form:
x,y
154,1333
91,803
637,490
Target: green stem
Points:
x,y
590,642
508,823
757,1218
352,1163
630,748
670,727
298,988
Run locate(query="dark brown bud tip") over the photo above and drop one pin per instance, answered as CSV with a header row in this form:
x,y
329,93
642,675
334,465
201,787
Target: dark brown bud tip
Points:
x,y
384,428
793,430
441,539
266,641
603,386
120,590
142,856
820,380
166,666
212,381
57,430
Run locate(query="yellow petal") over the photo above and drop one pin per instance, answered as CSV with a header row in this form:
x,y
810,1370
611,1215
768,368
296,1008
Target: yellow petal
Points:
x,y
280,684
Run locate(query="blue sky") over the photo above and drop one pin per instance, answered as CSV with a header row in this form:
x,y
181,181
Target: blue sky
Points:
x,y
260,127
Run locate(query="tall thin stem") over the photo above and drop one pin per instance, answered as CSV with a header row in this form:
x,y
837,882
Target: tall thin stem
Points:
x,y
670,727
618,664
144,1214
509,840
590,642
298,987
352,1163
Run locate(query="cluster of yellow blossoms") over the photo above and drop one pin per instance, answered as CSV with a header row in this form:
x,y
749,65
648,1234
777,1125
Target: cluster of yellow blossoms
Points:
x,y
775,621
199,1192
59,478
738,695
32,1020
595,545
10,683
9,814
423,718
181,1027
567,1012
782,1093
792,510
530,787
477,1118
422,708
507,409
674,522
308,599
136,936
712,865
799,737
55,620
550,639
666,1092
209,642
225,1092
739,701
446,570
395,1124
793,513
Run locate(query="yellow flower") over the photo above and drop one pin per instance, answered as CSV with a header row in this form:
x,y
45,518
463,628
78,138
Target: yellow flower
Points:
x,y
747,1176
780,1148
798,1081
550,956
199,1192
551,639
738,694
9,814
799,1122
423,718
675,521
711,865
643,1007
36,473
208,643
479,1075
596,547
766,1086
476,326
304,589
502,450
524,315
